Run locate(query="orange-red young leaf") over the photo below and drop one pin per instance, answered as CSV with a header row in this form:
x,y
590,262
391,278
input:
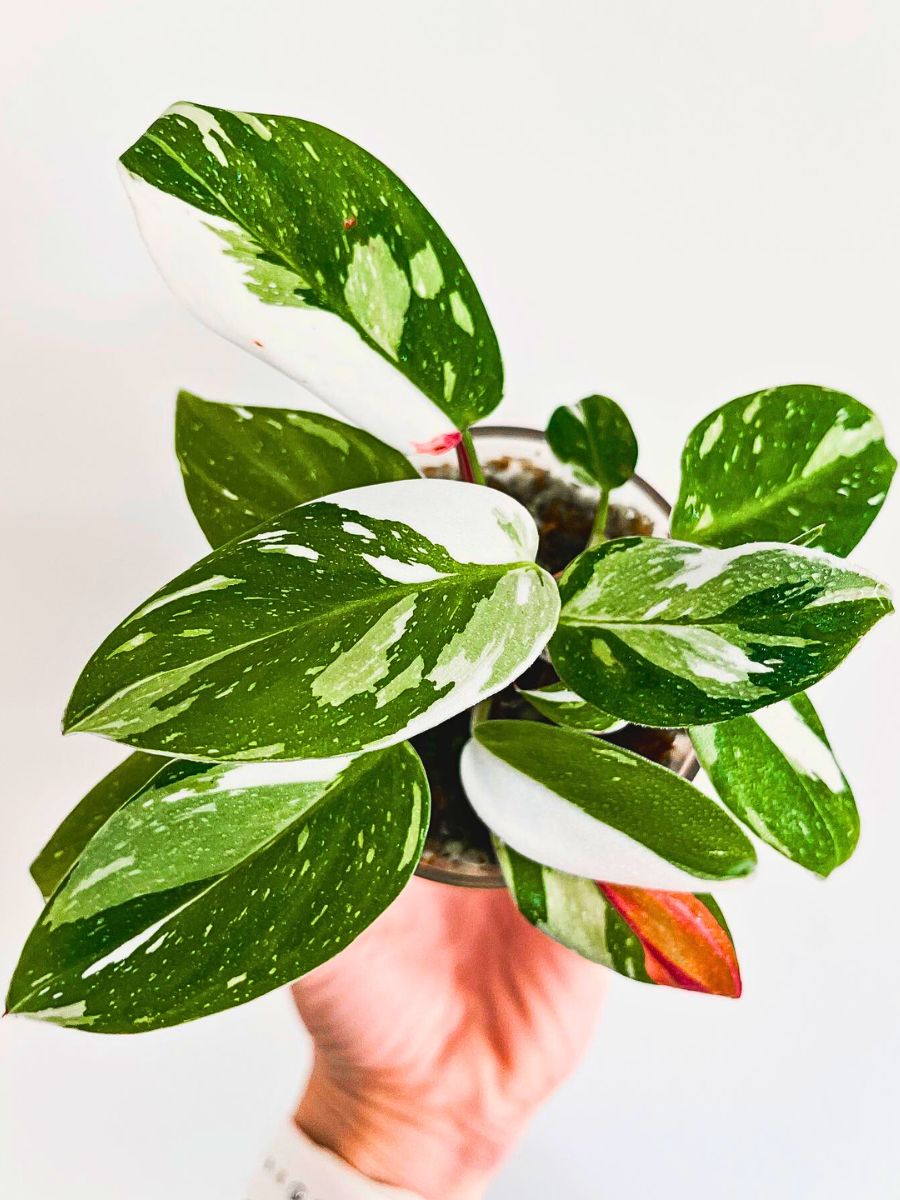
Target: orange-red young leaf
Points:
x,y
685,945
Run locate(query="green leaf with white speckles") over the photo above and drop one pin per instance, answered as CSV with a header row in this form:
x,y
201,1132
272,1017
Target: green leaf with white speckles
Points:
x,y
53,863
297,244
343,625
775,464
587,807
776,772
666,633
215,884
559,704
244,465
596,438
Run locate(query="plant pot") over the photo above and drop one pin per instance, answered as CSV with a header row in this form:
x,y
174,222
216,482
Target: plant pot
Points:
x,y
519,461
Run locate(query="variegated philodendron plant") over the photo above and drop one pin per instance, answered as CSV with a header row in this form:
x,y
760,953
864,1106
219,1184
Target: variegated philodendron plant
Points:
x,y
273,805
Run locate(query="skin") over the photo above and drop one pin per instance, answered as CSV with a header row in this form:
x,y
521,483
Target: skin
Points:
x,y
437,1034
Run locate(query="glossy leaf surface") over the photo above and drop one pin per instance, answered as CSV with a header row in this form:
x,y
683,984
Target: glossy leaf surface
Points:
x,y
343,625
55,860
596,438
666,633
214,884
242,466
776,772
298,245
775,464
593,809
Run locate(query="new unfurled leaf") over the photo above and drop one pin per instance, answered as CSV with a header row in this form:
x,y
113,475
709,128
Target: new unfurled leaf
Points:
x,y
214,884
596,438
772,465
242,466
343,625
300,246
53,863
589,808
686,943
776,772
559,704
666,633
671,938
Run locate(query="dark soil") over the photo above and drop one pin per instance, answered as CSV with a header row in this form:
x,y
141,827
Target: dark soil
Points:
x,y
564,518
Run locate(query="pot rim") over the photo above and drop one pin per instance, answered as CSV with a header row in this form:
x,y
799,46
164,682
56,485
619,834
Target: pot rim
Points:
x,y
526,433
459,877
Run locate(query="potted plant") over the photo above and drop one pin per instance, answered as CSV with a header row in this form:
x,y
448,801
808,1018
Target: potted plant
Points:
x,y
366,631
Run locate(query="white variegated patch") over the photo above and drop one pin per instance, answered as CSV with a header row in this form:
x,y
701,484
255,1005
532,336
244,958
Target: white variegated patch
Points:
x,y
800,744
544,826
313,346
472,525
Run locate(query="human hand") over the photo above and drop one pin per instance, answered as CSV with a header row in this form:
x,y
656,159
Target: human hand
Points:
x,y
437,1033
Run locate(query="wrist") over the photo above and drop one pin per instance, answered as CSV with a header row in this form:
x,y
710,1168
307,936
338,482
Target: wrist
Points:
x,y
433,1153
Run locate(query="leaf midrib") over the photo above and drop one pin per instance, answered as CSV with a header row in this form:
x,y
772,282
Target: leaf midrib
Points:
x,y
759,507
707,623
396,592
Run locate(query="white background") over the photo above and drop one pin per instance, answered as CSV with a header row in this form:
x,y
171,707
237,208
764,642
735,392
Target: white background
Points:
x,y
673,203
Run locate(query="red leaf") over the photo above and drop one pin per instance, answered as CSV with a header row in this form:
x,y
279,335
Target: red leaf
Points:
x,y
684,945
438,445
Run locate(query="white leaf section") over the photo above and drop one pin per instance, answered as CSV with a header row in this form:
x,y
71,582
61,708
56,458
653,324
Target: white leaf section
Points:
x,y
474,524
543,826
317,348
801,745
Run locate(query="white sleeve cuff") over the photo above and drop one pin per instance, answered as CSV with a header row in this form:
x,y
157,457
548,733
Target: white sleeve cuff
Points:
x,y
296,1168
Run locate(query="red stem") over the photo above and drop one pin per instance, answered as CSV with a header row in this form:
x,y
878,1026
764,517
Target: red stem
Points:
x,y
466,474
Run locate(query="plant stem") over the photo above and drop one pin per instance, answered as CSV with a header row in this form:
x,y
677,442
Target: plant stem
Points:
x,y
469,466
598,530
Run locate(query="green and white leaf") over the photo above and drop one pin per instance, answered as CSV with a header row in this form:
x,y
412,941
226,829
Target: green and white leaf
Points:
x,y
242,466
666,633
214,884
776,772
595,437
55,860
772,465
298,245
573,911
341,626
589,808
559,704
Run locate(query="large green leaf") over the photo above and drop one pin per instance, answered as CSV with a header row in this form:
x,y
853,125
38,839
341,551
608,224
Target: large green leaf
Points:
x,y
772,465
776,772
302,247
665,633
671,938
590,808
53,863
343,625
596,438
214,884
562,706
244,465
